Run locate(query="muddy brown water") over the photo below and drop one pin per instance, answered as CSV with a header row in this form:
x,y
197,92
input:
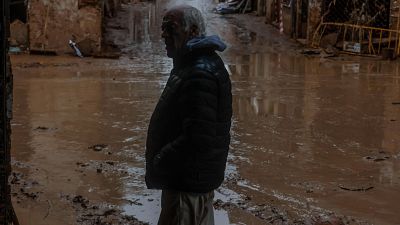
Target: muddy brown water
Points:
x,y
312,137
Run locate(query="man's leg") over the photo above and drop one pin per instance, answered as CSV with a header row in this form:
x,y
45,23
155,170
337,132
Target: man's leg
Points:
x,y
169,207
182,208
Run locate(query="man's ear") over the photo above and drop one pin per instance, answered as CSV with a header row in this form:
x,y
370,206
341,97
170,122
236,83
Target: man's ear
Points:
x,y
194,31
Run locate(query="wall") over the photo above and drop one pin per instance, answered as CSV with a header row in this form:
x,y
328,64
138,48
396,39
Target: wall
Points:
x,y
53,23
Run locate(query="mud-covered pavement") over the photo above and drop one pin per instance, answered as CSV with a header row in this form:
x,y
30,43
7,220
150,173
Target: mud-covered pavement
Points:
x,y
315,140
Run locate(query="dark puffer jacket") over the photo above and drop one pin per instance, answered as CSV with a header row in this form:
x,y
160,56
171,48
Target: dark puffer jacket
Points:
x,y
188,136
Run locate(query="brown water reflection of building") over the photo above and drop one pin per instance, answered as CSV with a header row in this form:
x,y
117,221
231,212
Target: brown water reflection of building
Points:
x,y
262,71
253,65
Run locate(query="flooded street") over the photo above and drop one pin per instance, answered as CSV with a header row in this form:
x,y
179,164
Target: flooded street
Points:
x,y
314,140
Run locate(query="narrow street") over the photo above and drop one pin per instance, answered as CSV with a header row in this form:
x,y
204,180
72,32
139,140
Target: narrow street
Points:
x,y
315,140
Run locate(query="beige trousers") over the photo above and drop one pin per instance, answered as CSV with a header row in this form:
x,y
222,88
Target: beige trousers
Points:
x,y
182,208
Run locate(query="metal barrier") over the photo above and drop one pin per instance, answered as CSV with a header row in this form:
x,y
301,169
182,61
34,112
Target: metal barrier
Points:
x,y
360,39
365,27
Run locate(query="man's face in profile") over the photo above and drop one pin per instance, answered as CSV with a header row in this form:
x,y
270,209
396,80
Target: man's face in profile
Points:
x,y
174,33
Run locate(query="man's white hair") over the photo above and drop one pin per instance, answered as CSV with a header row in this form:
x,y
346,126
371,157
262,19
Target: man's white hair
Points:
x,y
192,17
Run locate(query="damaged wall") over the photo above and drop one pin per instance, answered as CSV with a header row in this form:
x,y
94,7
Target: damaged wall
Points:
x,y
53,23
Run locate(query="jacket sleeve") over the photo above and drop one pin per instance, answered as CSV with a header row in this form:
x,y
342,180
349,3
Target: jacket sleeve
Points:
x,y
197,105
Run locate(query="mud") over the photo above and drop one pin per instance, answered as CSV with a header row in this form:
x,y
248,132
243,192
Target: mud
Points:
x,y
314,139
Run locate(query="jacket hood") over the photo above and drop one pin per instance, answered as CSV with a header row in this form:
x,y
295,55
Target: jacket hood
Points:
x,y
206,42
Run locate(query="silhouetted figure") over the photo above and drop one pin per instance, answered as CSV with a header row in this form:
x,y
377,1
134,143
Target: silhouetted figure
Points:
x,y
188,136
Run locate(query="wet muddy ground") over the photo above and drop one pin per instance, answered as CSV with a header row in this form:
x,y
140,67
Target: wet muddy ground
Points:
x,y
315,140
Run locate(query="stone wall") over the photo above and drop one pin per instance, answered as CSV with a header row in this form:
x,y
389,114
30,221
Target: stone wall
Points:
x,y
53,23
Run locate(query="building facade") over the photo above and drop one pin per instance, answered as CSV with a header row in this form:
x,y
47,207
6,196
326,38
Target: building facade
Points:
x,y
51,24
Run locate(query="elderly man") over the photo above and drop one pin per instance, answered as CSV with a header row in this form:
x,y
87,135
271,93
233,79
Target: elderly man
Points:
x,y
188,135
